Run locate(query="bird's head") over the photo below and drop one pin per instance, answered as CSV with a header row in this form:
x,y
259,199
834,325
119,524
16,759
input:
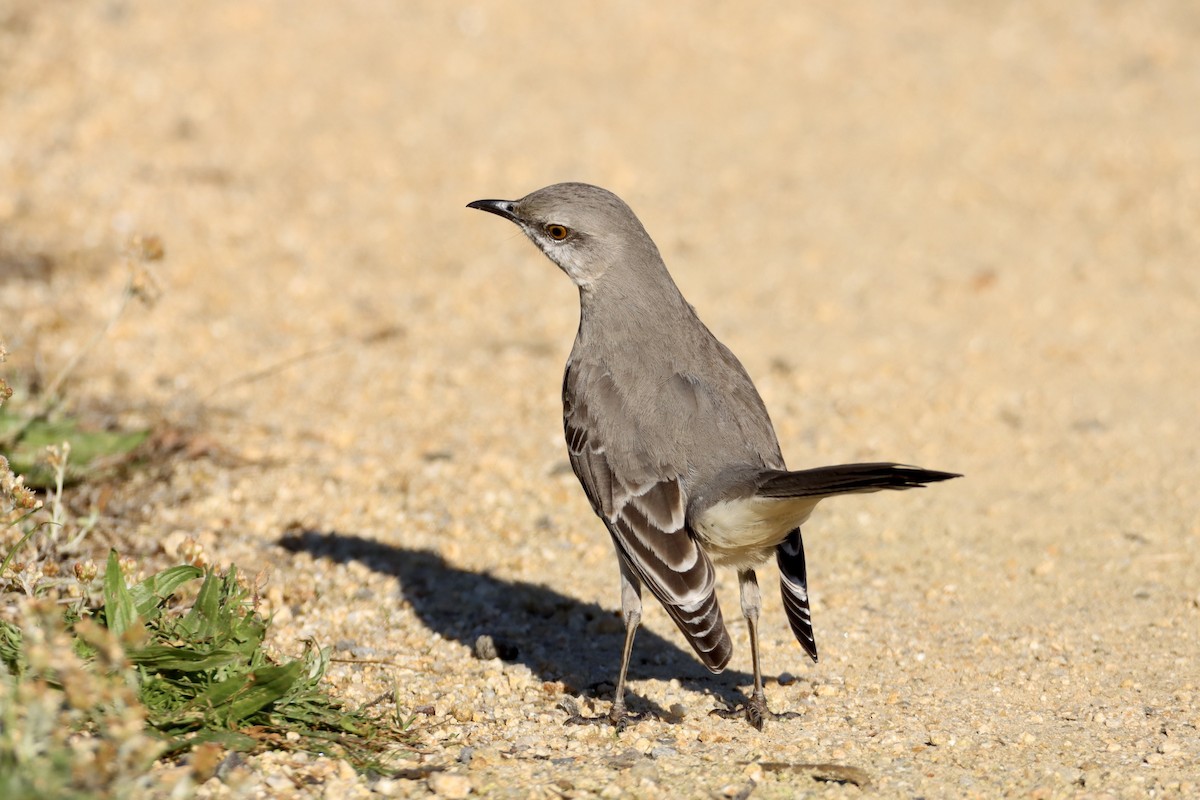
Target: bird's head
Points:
x,y
583,229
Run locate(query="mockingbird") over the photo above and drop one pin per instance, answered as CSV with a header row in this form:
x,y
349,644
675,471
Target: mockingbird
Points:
x,y
670,439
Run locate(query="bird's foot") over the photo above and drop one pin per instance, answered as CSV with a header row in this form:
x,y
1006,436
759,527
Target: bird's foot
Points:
x,y
618,716
755,712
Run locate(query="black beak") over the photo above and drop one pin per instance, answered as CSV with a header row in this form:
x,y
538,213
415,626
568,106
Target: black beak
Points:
x,y
501,208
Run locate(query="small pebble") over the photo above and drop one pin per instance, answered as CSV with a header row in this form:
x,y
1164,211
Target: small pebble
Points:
x,y
486,648
449,785
278,781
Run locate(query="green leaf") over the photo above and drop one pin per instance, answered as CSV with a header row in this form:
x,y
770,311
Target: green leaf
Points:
x,y
161,657
236,698
89,449
119,610
201,621
266,686
150,593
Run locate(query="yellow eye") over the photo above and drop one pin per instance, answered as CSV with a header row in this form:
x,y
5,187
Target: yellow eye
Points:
x,y
556,232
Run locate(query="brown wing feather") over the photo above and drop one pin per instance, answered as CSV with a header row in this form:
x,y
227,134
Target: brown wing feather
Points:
x,y
646,518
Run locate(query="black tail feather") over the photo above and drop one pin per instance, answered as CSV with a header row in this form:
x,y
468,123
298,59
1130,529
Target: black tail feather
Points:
x,y
847,478
793,586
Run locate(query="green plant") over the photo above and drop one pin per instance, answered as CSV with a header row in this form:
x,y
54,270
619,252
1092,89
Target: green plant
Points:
x,y
134,670
176,678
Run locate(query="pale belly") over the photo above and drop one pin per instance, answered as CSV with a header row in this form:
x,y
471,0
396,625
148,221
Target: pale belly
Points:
x,y
743,533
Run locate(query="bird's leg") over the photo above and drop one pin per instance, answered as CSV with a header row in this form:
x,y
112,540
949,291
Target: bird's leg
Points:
x,y
756,709
631,614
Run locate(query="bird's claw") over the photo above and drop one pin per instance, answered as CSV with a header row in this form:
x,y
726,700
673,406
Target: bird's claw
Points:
x,y
755,712
618,717
619,721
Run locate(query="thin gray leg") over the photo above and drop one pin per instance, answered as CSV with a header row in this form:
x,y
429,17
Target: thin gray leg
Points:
x,y
631,613
756,709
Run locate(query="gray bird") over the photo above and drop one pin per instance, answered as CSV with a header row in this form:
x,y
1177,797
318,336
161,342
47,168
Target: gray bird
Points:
x,y
670,439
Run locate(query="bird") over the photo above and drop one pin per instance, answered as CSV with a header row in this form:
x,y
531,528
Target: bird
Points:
x,y
672,442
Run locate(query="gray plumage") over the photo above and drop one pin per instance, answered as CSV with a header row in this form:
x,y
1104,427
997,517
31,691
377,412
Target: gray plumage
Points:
x,y
669,437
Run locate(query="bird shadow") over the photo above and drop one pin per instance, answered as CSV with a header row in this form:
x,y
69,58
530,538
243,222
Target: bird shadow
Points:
x,y
557,637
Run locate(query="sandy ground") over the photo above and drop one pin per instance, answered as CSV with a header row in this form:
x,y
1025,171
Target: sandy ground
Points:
x,y
958,235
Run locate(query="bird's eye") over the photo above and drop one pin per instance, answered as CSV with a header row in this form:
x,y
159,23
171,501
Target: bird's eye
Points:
x,y
556,232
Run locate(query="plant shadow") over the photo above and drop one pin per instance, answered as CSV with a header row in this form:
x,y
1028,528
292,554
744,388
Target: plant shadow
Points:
x,y
557,637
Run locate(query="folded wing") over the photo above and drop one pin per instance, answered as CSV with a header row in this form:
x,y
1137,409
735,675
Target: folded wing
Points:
x,y
645,513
